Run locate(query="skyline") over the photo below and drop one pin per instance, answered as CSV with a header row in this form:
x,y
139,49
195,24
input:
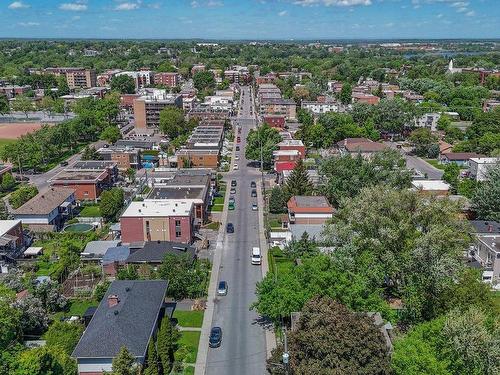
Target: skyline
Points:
x,y
252,19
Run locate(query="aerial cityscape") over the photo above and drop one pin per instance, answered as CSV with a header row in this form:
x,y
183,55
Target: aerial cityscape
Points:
x,y
240,187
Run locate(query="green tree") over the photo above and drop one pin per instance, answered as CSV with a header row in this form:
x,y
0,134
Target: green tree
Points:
x,y
172,122
90,153
203,80
8,182
22,195
124,84
64,335
22,104
277,202
10,327
345,95
267,138
331,339
111,203
393,115
154,364
111,134
304,247
167,344
4,105
131,172
298,183
424,142
39,361
451,174
486,199
125,363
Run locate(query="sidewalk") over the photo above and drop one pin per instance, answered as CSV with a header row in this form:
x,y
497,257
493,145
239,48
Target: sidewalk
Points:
x,y
270,335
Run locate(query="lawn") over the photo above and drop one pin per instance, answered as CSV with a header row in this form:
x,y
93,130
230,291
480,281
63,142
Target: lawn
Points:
x,y
278,262
90,211
217,208
435,163
188,347
189,370
6,141
274,223
219,200
189,318
78,306
214,225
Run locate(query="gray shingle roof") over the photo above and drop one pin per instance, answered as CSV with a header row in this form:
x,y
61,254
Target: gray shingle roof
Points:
x,y
155,251
130,323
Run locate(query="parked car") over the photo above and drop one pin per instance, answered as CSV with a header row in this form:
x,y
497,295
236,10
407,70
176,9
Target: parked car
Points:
x,y
238,139
230,228
254,207
256,256
235,167
254,193
237,148
233,183
232,191
64,163
215,337
222,288
231,206
236,157
253,184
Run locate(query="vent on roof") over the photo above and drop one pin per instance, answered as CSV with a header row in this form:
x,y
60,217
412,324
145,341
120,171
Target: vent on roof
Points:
x,y
113,300
127,289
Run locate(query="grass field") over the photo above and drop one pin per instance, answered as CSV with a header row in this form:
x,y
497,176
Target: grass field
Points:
x,y
188,347
214,225
217,208
435,163
189,318
78,307
90,211
4,141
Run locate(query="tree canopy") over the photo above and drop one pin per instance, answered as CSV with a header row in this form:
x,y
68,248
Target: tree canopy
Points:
x,y
266,137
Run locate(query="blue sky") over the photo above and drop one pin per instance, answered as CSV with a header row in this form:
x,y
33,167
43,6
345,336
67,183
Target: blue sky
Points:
x,y
250,19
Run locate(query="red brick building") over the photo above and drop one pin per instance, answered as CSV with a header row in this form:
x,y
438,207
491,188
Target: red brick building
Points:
x,y
309,210
167,79
88,185
158,220
275,121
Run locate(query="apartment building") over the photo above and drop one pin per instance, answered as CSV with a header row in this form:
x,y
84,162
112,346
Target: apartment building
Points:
x,y
147,108
75,77
278,106
167,79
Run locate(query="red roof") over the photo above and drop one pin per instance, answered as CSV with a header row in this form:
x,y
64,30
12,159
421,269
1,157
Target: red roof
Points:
x,y
284,166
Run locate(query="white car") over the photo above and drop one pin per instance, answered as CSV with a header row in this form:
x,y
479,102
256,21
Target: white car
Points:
x,y
235,167
254,207
237,157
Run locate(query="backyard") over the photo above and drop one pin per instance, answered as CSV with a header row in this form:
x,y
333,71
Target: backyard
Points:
x,y
90,211
190,323
278,262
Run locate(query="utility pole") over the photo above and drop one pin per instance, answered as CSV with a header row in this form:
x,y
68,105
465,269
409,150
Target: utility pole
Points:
x,y
286,356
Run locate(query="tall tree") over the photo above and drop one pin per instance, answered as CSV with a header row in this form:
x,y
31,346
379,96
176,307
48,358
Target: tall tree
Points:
x,y
111,203
425,143
345,95
203,80
10,327
330,339
486,199
124,84
4,105
22,195
39,361
298,183
111,134
152,360
277,202
90,153
263,138
172,122
167,343
22,104
124,363
64,335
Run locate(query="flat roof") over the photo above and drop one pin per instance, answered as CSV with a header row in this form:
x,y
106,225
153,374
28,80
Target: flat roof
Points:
x,y
158,208
92,164
171,192
311,201
80,175
430,185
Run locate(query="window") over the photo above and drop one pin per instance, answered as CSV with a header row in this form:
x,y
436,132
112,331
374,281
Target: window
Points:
x,y
178,232
177,223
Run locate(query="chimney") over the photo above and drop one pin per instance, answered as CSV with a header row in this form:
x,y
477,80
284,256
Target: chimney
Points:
x,y
113,300
490,228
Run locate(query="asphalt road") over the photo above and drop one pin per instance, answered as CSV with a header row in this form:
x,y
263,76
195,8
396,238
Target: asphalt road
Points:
x,y
419,164
243,349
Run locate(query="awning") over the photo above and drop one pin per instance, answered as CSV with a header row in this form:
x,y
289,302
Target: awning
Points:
x,y
32,251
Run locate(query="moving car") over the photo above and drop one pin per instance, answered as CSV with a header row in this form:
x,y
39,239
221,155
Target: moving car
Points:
x,y
230,227
254,193
256,257
222,288
254,207
215,337
253,184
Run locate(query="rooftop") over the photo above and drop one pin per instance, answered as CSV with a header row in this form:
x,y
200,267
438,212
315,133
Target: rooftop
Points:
x,y
158,208
98,248
485,226
155,251
92,164
461,155
6,225
310,201
129,323
290,142
177,193
80,175
45,202
429,185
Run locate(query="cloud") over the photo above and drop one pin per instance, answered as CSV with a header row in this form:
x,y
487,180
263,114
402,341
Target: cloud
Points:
x,y
195,4
74,7
329,3
75,18
282,13
459,4
461,10
28,24
18,5
470,13
127,6
214,3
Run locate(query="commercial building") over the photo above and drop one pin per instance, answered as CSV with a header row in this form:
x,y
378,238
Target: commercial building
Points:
x,y
124,157
158,220
197,158
147,108
48,210
129,315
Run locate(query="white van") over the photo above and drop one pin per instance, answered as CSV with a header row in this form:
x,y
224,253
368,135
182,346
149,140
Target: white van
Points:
x,y
256,257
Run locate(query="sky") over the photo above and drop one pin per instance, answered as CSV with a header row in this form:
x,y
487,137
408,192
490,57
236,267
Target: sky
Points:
x,y
250,19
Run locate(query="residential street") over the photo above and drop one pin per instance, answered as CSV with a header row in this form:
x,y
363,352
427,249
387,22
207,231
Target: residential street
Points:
x,y
419,164
243,349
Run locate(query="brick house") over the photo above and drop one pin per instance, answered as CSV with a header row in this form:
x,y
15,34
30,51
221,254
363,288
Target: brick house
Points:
x,y
87,184
274,121
309,210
